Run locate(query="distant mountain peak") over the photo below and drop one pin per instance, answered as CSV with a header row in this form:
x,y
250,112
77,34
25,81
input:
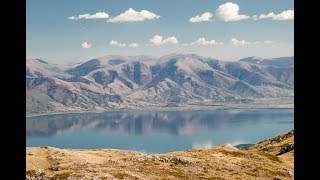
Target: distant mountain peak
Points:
x,y
178,56
251,59
114,81
277,62
256,57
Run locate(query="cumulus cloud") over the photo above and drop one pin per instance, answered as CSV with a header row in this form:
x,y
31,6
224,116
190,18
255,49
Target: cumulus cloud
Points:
x,y
267,42
263,16
131,15
237,42
285,15
98,15
230,12
86,45
264,42
158,40
116,43
204,17
255,17
134,45
203,41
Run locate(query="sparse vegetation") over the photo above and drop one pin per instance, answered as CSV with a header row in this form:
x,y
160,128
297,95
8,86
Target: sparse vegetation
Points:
x,y
268,171
34,174
61,176
177,174
269,156
121,175
233,153
54,167
222,162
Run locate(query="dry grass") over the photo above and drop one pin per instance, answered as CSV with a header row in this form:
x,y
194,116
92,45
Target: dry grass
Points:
x,y
222,162
269,156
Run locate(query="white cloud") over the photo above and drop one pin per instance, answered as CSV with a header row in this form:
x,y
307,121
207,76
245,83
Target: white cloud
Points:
x,y
263,16
170,40
116,43
267,42
98,15
285,15
255,17
134,45
203,41
131,15
86,45
237,42
204,17
158,40
230,12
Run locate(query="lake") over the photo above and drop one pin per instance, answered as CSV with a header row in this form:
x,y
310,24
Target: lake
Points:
x,y
157,131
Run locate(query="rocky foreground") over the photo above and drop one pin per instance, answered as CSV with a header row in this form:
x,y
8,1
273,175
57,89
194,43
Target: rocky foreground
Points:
x,y
270,159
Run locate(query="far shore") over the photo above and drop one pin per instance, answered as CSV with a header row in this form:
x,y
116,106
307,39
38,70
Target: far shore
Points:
x,y
177,108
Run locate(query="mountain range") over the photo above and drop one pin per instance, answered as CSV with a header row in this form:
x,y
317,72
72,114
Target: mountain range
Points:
x,y
133,82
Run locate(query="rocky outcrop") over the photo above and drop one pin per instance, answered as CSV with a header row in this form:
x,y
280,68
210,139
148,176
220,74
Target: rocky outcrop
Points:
x,y
277,146
286,149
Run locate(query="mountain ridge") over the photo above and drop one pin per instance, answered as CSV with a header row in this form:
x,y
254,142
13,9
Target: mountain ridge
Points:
x,y
129,82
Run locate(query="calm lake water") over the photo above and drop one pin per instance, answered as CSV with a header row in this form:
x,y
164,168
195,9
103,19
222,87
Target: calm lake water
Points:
x,y
158,131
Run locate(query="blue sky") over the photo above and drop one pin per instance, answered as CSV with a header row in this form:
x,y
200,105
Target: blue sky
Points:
x,y
54,37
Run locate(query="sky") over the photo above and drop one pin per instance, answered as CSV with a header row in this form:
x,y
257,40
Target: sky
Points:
x,y
79,30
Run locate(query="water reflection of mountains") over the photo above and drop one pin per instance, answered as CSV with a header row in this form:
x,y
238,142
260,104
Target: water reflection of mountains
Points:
x,y
181,123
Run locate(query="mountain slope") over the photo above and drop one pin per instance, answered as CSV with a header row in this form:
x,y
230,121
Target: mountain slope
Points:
x,y
277,62
116,82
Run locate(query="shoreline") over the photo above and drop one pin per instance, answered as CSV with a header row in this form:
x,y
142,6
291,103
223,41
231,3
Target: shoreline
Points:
x,y
136,151
271,158
177,108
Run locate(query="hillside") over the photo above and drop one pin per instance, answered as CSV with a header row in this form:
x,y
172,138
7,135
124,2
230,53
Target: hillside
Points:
x,y
269,159
175,80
